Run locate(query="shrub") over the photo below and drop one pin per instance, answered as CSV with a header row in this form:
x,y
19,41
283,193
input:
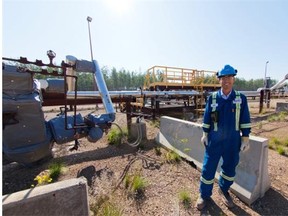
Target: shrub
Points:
x,y
115,136
280,150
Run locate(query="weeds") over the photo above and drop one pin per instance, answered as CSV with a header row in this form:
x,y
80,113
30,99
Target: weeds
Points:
x,y
185,198
280,150
275,141
135,184
157,151
155,123
172,157
278,117
277,145
110,209
55,169
50,175
286,142
115,136
104,207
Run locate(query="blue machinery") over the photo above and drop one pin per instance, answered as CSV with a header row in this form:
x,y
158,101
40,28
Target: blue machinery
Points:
x,y
27,136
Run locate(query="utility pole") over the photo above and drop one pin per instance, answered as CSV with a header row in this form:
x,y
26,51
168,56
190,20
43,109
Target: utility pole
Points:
x,y
89,19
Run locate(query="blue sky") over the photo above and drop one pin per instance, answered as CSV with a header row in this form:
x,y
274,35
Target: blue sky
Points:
x,y
138,34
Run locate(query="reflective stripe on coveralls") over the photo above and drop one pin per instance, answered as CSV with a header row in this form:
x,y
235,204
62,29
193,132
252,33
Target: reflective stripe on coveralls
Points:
x,y
214,105
238,107
227,177
206,181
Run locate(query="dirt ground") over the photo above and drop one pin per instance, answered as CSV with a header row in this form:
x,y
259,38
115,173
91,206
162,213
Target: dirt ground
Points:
x,y
103,165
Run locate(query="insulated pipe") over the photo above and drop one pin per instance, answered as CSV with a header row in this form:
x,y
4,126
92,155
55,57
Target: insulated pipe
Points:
x,y
88,94
279,84
106,99
93,67
71,60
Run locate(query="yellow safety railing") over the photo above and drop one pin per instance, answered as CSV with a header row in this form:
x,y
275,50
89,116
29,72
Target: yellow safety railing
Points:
x,y
165,77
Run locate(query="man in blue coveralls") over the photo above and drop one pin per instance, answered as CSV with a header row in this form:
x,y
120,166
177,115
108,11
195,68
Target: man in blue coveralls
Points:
x,y
226,128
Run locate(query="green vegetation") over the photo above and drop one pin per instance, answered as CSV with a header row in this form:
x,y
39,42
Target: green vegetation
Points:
x,y
280,150
260,125
158,151
286,142
185,198
55,169
278,117
135,184
155,123
172,157
115,136
51,175
104,207
278,145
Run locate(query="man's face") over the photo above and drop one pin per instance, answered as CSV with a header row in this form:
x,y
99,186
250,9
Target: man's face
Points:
x,y
227,82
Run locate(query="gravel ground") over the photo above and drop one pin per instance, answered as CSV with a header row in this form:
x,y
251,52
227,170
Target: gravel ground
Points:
x,y
103,165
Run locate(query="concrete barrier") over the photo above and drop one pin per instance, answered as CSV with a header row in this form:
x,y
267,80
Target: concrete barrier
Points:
x,y
69,197
282,106
252,180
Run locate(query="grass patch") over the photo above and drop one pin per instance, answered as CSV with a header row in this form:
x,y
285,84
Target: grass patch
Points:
x,y
278,145
135,184
55,169
104,207
281,150
158,151
185,199
155,123
275,141
278,117
50,175
286,142
115,136
259,125
172,157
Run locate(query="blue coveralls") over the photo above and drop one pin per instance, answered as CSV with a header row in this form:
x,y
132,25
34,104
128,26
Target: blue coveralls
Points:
x,y
224,139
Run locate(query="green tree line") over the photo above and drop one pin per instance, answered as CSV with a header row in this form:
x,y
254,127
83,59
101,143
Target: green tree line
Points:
x,y
130,80
126,80
115,80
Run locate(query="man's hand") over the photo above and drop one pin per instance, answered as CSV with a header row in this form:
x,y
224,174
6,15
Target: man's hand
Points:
x,y
244,143
204,139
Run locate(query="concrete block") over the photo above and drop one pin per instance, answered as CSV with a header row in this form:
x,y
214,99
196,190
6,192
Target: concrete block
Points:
x,y
134,130
252,180
69,197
